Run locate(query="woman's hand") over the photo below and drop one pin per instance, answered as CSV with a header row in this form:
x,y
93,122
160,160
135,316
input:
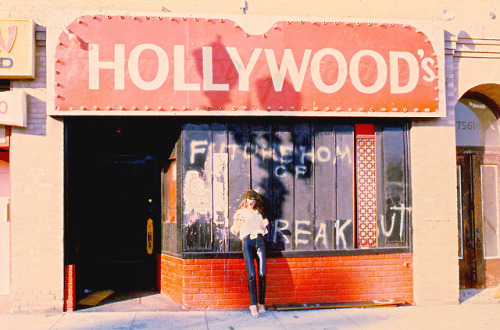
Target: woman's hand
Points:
x,y
265,222
235,228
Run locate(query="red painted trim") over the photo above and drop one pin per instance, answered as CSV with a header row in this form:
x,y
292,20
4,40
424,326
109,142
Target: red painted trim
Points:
x,y
364,129
5,156
69,288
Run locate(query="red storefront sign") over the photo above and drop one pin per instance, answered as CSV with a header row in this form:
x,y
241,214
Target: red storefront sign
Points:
x,y
200,66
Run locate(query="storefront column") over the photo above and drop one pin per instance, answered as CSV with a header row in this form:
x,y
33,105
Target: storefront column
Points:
x,y
434,213
37,167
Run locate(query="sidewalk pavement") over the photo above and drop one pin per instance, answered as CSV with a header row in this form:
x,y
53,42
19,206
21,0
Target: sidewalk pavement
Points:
x,y
476,312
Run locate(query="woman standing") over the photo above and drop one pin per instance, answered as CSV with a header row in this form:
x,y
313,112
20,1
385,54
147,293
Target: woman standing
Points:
x,y
251,224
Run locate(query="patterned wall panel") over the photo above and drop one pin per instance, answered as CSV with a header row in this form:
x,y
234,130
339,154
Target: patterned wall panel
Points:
x,y
366,185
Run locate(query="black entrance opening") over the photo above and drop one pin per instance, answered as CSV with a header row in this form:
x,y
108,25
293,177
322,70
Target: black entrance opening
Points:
x,y
116,202
113,192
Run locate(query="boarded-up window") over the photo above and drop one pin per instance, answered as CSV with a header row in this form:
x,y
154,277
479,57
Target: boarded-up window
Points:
x,y
327,187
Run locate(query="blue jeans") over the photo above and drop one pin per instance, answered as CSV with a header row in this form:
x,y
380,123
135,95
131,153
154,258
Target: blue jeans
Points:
x,y
255,249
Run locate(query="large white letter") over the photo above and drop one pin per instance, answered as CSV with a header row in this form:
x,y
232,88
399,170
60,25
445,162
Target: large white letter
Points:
x,y
118,65
243,73
279,228
322,234
426,63
208,72
316,72
327,154
381,71
339,232
133,67
179,72
394,58
300,231
197,148
287,64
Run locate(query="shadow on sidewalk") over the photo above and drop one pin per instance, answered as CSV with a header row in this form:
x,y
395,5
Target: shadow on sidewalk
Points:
x,y
478,296
128,301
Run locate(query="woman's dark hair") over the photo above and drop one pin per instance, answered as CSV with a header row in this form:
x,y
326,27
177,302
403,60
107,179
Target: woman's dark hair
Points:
x,y
259,201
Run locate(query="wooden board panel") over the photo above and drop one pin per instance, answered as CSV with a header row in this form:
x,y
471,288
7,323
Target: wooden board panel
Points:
x,y
197,190
324,187
344,228
303,187
282,189
220,192
239,173
261,159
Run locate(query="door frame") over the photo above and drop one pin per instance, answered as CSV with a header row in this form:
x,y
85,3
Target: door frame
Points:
x,y
472,265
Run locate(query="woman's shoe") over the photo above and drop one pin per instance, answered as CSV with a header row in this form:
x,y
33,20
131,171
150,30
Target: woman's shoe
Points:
x,y
253,310
262,310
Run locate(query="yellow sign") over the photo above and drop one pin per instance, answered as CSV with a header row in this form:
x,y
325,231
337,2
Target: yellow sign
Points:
x,y
17,49
149,236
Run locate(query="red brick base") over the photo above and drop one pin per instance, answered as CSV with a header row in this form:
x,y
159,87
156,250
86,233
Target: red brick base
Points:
x,y
221,283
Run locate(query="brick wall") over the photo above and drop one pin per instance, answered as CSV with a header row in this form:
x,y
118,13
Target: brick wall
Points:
x,y
221,283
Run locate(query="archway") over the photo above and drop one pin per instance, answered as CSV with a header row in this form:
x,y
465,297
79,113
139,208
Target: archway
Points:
x,y
478,166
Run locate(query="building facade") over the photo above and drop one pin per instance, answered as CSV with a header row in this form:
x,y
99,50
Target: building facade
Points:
x,y
371,130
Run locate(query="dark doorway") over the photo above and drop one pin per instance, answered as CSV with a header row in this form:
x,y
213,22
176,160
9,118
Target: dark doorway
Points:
x,y
113,192
116,202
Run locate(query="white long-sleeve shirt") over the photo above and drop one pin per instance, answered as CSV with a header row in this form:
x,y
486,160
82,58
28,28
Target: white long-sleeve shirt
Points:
x,y
252,223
